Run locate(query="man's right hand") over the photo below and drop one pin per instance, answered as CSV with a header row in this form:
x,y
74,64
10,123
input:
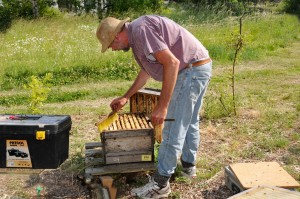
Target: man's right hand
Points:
x,y
118,103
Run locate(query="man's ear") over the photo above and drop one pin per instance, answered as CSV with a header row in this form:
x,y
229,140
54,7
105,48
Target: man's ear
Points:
x,y
117,37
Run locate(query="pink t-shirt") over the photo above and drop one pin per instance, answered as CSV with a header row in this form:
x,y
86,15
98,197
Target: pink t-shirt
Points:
x,y
151,33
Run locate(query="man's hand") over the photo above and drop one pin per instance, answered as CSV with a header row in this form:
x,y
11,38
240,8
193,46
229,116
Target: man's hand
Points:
x,y
118,103
158,115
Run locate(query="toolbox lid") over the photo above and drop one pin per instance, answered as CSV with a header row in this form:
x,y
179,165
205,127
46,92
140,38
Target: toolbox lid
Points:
x,y
35,120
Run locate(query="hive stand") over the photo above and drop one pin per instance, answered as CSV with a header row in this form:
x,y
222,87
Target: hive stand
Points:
x,y
116,153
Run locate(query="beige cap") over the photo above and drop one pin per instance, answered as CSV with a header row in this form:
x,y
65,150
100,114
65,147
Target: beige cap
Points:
x,y
108,29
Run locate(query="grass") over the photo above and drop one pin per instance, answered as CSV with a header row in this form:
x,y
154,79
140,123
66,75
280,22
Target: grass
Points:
x,y
85,81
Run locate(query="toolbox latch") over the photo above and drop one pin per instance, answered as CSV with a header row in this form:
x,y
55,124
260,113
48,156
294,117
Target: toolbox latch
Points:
x,y
40,135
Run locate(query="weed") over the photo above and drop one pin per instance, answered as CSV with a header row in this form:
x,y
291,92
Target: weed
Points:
x,y
175,195
39,89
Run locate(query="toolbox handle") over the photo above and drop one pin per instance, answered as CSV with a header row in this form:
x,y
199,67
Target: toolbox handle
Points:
x,y
24,117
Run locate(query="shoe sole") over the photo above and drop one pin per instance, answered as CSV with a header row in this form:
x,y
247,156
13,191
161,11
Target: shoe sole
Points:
x,y
192,177
158,197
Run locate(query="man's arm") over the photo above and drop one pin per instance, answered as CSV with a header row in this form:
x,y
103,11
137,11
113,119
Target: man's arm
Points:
x,y
170,71
139,82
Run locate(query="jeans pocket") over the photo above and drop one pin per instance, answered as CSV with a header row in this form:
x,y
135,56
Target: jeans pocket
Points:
x,y
198,84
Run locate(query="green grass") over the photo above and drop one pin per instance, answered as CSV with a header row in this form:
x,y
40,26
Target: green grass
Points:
x,y
67,47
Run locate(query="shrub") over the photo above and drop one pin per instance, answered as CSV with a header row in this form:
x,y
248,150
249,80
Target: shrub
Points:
x,y
5,19
39,89
24,8
291,6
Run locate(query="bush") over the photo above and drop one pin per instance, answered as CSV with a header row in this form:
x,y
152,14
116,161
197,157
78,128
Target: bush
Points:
x,y
51,12
24,8
291,6
5,19
121,6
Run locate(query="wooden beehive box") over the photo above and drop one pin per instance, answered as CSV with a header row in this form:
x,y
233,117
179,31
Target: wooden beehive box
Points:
x,y
144,101
129,139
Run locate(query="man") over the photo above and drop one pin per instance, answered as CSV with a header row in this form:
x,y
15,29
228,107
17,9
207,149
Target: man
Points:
x,y
168,53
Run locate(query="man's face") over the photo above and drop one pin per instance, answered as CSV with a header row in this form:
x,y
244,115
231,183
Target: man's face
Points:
x,y
119,44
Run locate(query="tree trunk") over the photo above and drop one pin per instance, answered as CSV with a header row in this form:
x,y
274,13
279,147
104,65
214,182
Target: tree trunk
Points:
x,y
35,8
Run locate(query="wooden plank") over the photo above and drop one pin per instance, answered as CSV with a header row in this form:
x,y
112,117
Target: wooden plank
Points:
x,y
263,173
158,132
121,168
129,158
118,124
127,122
261,192
144,120
91,161
93,152
121,118
140,103
154,100
150,91
127,133
125,144
115,127
91,145
133,103
138,152
140,120
107,182
136,122
132,123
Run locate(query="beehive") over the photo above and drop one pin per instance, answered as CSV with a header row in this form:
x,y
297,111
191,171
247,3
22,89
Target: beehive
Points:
x,y
144,101
129,139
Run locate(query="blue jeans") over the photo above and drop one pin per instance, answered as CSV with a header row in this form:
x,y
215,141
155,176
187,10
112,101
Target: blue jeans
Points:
x,y
182,136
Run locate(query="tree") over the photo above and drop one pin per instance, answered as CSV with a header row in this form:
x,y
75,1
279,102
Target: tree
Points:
x,y
35,8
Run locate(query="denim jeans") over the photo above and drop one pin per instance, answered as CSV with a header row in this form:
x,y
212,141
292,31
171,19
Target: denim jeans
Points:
x,y
182,136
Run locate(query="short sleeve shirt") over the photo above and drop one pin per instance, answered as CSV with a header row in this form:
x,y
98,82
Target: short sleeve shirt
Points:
x,y
151,33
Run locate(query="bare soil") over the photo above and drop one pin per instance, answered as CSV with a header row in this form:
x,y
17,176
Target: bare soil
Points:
x,y
63,183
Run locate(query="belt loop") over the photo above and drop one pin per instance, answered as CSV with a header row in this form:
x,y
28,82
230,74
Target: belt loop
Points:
x,y
190,65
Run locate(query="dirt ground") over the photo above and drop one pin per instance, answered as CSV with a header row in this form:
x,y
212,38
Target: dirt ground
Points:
x,y
63,183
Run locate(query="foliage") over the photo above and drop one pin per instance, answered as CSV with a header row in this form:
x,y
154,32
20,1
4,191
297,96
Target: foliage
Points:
x,y
39,89
119,6
290,6
5,19
110,7
51,12
24,8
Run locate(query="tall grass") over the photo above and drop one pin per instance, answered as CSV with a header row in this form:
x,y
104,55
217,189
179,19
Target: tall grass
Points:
x,y
66,47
